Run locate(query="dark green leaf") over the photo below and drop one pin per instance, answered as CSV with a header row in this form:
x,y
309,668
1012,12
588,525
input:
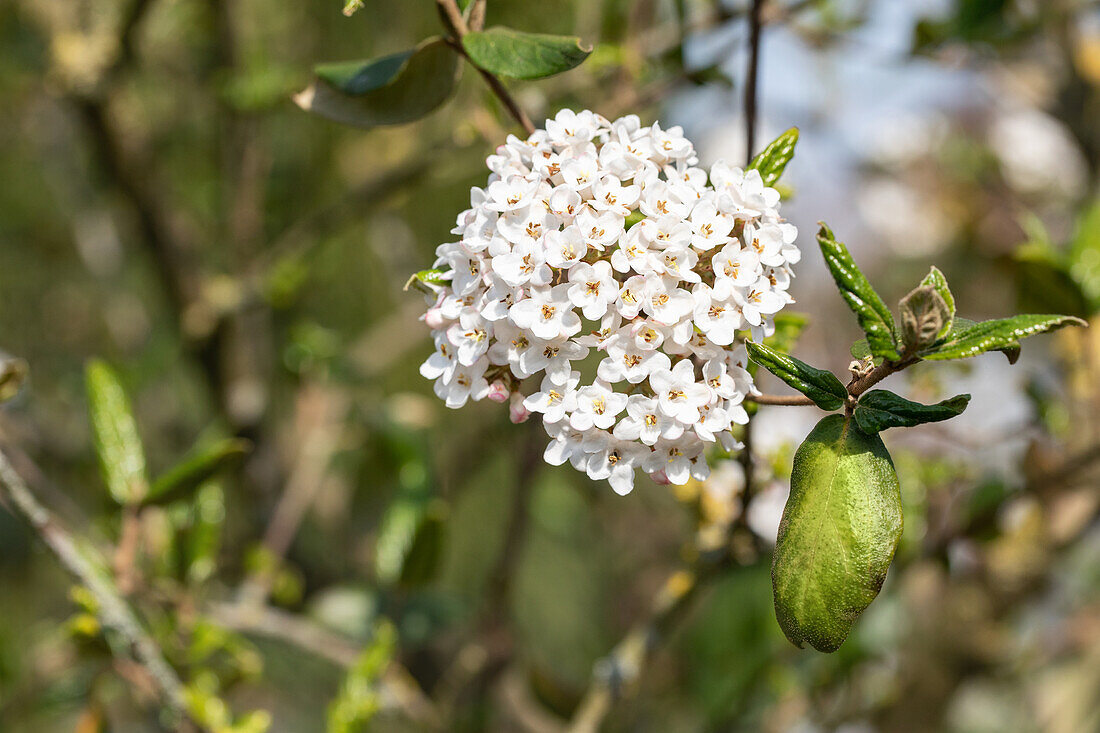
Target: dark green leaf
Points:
x,y
935,279
772,160
1000,335
838,534
880,409
195,469
519,55
391,90
925,316
819,385
423,556
873,315
117,444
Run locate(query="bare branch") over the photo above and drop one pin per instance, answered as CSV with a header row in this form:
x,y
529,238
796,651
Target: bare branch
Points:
x,y
84,563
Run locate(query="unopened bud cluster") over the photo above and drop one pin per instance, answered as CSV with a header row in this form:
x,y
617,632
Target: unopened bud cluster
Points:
x,y
606,236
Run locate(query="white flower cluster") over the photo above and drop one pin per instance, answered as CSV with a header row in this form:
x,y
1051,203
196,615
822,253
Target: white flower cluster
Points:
x,y
606,235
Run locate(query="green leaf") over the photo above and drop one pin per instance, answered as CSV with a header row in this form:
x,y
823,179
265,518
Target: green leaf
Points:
x,y
860,350
819,385
772,160
196,469
871,312
1003,334
1084,255
391,90
360,696
838,534
935,279
880,409
424,554
427,281
117,444
519,55
925,316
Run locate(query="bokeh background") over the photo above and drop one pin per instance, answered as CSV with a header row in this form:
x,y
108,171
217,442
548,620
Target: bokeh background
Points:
x,y
166,207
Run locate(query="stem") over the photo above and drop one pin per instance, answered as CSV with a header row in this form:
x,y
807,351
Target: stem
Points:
x,y
855,388
755,25
87,567
456,24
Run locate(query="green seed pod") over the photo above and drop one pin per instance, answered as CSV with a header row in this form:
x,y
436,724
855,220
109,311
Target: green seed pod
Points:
x,y
838,534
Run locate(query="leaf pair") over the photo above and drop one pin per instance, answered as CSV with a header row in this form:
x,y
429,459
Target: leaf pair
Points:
x,y
406,86
121,454
929,328
875,411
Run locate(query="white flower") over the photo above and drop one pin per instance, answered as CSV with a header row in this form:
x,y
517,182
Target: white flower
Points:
x,y
597,405
470,337
565,248
547,313
665,302
545,242
511,194
627,362
554,400
718,318
599,229
614,460
524,264
758,302
680,459
609,194
553,357
678,394
465,382
645,422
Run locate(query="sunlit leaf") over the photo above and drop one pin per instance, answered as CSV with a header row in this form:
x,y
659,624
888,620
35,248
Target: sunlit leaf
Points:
x,y
819,385
772,160
196,468
880,409
873,314
117,444
839,531
360,698
391,90
519,55
1003,334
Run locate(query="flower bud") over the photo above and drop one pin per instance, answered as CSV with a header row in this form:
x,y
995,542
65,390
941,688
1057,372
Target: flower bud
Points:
x,y
660,478
434,318
517,412
498,392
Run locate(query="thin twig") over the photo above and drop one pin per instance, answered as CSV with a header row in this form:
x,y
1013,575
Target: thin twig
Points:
x,y
855,388
84,563
456,24
755,25
319,414
398,686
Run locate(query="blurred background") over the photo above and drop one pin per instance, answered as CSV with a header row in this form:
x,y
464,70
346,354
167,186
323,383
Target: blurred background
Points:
x,y
379,562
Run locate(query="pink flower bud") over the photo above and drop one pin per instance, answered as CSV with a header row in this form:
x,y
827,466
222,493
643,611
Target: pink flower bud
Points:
x,y
660,478
434,318
498,392
517,413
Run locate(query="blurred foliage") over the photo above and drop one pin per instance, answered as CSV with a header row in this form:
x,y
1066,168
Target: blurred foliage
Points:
x,y
239,263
